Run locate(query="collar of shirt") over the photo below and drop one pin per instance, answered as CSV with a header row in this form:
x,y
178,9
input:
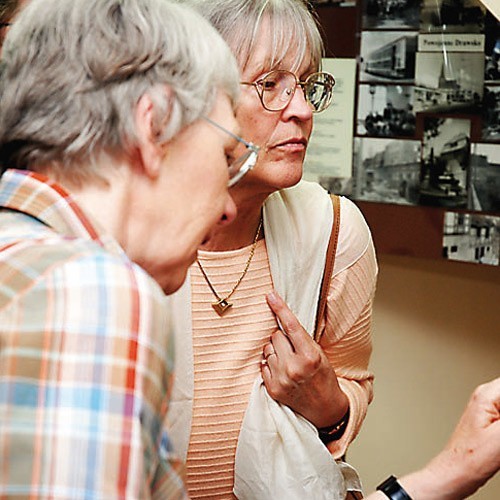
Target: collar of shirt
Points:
x,y
38,196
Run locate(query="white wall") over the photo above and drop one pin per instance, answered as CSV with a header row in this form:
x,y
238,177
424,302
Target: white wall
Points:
x,y
436,336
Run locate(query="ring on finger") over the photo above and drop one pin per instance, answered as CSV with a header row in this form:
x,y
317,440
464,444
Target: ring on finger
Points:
x,y
267,356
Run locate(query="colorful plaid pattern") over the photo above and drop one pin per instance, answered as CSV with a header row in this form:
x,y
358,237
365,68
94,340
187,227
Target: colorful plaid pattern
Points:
x,y
85,364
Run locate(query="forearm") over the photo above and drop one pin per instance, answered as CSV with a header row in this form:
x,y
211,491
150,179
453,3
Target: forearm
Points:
x,y
433,483
350,357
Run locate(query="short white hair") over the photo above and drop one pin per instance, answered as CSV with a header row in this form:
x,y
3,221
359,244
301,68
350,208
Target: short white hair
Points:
x,y
73,71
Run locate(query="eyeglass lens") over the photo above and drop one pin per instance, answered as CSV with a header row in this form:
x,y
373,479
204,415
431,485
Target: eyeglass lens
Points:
x,y
242,165
278,87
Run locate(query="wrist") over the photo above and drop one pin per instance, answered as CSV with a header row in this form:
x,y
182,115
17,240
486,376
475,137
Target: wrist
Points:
x,y
336,431
443,478
436,481
393,489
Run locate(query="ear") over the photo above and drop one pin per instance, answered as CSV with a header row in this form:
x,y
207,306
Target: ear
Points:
x,y
150,152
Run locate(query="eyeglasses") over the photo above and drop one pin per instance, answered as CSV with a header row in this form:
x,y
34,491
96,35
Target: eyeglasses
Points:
x,y
243,164
277,88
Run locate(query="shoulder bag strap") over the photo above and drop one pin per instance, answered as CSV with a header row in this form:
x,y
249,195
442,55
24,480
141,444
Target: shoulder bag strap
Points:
x,y
330,260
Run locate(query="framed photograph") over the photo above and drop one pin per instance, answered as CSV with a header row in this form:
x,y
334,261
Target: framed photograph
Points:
x,y
385,111
386,170
485,178
445,162
449,81
452,16
492,49
388,56
491,113
391,14
471,238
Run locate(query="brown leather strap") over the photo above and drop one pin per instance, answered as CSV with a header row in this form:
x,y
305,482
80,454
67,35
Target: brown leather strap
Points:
x,y
330,260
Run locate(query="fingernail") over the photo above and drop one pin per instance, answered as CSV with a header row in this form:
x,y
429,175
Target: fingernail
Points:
x,y
272,297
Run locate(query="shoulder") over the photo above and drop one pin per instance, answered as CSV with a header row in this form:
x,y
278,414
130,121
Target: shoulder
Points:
x,y
69,267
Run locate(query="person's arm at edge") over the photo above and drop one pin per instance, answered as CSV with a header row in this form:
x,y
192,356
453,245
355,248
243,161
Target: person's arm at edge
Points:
x,y
470,458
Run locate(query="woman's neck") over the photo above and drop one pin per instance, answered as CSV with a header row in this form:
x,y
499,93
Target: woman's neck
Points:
x,y
241,232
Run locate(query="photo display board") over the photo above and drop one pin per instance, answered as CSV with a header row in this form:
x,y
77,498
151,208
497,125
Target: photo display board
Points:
x,y
424,163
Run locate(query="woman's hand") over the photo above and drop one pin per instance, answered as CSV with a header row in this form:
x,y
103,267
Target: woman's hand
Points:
x,y
297,373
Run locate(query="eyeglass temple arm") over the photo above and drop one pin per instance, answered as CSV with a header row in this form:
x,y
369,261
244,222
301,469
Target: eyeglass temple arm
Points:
x,y
234,136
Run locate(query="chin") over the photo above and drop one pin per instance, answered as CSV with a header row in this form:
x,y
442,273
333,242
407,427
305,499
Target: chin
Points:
x,y
281,177
289,181
173,281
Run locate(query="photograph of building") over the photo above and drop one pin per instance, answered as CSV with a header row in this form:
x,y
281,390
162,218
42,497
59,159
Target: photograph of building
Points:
x,y
388,56
386,170
471,238
449,81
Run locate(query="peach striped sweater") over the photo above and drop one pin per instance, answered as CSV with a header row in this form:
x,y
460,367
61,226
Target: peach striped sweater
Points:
x,y
227,351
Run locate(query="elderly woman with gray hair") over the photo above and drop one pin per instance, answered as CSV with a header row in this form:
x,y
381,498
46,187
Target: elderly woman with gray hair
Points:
x,y
241,335
107,109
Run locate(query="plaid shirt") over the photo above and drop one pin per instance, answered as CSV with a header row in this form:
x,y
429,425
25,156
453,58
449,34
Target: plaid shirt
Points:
x,y
85,360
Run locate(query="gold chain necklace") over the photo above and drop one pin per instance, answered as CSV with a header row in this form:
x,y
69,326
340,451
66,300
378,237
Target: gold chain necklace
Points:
x,y
223,304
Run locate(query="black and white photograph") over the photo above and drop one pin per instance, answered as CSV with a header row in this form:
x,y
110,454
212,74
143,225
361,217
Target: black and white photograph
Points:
x,y
385,111
452,16
445,162
485,178
491,113
386,170
391,14
449,82
471,238
388,56
492,49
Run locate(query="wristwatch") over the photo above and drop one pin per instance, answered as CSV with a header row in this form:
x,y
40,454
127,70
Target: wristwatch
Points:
x,y
393,490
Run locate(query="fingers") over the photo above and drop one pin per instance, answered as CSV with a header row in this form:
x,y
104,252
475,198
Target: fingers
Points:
x,y
490,393
269,356
485,401
286,318
290,325
268,351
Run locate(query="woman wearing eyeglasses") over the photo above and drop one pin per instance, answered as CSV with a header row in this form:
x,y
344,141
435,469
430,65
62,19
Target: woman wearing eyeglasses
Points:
x,y
231,334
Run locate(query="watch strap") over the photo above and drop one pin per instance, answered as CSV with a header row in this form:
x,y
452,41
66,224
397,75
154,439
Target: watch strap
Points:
x,y
393,490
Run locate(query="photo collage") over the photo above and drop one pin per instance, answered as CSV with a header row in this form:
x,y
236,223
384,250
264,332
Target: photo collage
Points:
x,y
427,117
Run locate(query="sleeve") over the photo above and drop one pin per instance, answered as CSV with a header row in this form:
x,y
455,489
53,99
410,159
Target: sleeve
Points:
x,y
86,367
347,331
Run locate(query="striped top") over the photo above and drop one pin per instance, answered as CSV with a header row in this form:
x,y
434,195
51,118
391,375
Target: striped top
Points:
x,y
85,356
227,353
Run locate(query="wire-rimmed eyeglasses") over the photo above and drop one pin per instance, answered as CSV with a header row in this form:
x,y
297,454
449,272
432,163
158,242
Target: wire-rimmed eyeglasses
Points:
x,y
244,163
277,88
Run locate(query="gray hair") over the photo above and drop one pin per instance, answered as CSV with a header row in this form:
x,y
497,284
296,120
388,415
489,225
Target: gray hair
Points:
x,y
292,25
73,71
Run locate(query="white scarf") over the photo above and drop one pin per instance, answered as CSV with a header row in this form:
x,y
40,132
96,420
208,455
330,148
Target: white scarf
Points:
x,y
279,453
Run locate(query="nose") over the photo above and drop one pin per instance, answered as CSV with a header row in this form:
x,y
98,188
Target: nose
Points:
x,y
298,106
229,213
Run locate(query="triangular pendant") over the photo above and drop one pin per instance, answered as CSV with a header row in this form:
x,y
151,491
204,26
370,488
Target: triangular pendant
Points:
x,y
221,306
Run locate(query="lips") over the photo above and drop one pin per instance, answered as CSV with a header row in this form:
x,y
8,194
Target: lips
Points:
x,y
294,141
